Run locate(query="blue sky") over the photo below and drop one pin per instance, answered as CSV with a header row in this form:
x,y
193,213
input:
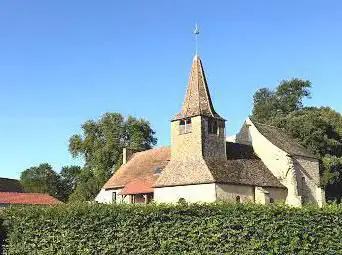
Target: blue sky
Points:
x,y
63,62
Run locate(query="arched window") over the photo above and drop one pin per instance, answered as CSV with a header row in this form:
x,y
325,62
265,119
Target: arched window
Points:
x,y
303,189
238,199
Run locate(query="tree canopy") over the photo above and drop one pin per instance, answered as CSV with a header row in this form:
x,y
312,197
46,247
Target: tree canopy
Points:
x,y
101,144
319,129
41,179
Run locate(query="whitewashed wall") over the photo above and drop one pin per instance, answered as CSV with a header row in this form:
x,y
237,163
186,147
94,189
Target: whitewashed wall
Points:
x,y
106,196
191,193
277,161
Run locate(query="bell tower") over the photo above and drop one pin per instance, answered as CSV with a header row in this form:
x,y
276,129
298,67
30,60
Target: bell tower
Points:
x,y
197,131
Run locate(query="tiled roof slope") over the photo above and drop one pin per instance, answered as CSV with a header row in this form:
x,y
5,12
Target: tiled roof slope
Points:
x,y
184,172
197,100
138,186
27,198
141,165
10,185
279,138
242,167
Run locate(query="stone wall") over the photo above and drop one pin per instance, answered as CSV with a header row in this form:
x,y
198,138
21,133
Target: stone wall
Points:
x,y
266,195
199,142
191,193
230,192
214,145
277,194
276,160
308,179
187,145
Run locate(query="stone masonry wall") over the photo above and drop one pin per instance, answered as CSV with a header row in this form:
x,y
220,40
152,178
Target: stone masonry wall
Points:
x,y
214,145
308,178
229,192
188,145
278,161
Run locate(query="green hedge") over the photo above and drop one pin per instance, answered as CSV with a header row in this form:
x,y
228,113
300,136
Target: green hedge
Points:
x,y
180,229
2,233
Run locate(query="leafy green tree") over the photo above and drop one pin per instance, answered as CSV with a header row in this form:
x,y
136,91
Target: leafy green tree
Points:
x,y
41,179
319,129
286,98
87,188
69,176
101,144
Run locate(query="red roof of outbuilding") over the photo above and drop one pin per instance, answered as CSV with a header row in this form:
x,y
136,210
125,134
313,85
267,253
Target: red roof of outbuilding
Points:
x,y
27,198
140,186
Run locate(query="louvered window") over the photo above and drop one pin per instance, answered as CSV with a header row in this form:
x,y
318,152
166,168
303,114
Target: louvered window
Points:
x,y
212,126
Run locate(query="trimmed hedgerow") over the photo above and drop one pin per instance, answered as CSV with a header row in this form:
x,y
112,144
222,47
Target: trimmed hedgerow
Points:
x,y
173,229
2,233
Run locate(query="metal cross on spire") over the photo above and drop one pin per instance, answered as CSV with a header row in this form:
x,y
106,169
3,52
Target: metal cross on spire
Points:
x,y
196,33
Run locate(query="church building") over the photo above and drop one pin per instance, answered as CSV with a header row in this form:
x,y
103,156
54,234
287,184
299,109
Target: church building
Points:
x,y
261,165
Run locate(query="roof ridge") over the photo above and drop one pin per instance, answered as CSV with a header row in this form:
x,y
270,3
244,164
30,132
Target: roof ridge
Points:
x,y
9,178
27,193
157,148
291,145
264,124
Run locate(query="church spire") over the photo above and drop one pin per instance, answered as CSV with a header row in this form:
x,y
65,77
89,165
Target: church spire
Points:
x,y
197,99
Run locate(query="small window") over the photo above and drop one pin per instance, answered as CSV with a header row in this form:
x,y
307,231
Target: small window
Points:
x,y
212,127
114,197
185,126
238,199
303,188
158,170
271,200
188,126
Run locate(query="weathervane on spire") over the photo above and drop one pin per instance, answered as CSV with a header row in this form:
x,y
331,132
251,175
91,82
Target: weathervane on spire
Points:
x,y
196,33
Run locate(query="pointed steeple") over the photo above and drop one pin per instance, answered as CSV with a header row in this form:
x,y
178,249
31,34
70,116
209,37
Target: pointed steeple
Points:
x,y
197,99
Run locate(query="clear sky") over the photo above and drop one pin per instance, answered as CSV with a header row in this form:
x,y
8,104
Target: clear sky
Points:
x,y
63,62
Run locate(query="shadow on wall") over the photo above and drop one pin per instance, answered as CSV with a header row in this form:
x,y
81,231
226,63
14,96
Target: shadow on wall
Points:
x,y
303,179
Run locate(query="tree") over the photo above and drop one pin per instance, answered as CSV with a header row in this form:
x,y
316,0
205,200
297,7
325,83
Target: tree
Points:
x,y
87,188
319,129
68,180
101,145
41,179
287,97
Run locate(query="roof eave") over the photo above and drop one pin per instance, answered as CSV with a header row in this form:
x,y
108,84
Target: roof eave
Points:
x,y
215,182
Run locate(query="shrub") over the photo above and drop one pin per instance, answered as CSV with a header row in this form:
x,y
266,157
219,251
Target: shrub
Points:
x,y
174,229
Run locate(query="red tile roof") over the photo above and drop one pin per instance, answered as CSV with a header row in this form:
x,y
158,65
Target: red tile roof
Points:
x,y
27,198
140,186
